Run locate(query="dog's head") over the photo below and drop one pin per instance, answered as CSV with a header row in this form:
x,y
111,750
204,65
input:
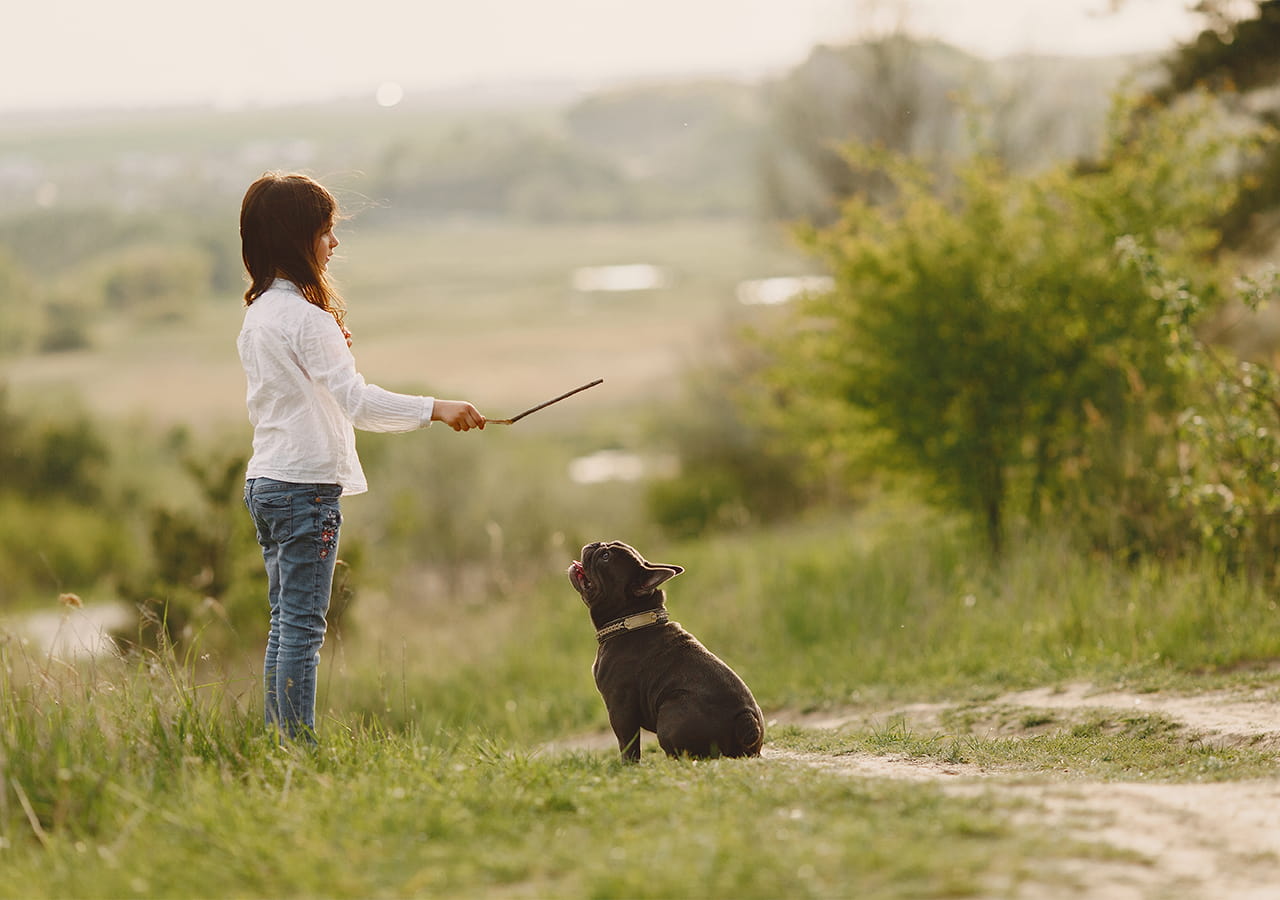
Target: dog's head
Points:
x,y
614,580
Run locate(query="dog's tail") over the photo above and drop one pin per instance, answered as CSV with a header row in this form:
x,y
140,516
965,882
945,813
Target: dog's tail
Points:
x,y
748,728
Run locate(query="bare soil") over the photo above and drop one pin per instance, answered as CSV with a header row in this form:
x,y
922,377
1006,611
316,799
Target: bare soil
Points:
x,y
1214,841
1206,841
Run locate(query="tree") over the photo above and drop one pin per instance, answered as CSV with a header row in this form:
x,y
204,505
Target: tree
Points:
x,y
983,338
1236,57
892,91
495,170
920,98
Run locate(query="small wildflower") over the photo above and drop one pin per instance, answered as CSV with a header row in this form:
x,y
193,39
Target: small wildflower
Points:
x,y
71,600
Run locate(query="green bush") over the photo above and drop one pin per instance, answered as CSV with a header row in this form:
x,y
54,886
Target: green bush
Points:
x,y
59,528
980,327
156,280
49,545
1228,477
18,299
734,470
204,563
67,325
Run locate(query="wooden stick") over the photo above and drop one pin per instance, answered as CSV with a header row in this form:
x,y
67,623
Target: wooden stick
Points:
x,y
534,409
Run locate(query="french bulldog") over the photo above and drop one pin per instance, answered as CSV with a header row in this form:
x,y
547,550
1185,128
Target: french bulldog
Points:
x,y
652,673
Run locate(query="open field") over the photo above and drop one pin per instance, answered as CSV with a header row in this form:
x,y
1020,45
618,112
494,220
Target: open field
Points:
x,y
482,311
1050,725
940,726
1090,709
866,809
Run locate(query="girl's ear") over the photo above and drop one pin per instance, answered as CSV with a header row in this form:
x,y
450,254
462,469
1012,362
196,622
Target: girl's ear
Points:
x,y
652,576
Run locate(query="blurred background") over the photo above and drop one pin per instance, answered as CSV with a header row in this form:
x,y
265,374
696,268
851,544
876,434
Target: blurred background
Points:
x,y
539,195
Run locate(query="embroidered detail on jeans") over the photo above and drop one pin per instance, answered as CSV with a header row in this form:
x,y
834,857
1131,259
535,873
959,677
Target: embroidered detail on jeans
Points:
x,y
329,532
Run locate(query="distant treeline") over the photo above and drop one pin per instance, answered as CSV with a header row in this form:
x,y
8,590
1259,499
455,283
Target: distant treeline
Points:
x,y
681,148
136,213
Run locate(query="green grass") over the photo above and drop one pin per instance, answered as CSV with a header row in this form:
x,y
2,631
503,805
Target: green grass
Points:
x,y
399,819
886,606
139,777
155,788
149,777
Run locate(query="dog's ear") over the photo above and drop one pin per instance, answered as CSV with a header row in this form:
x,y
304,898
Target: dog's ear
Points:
x,y
651,576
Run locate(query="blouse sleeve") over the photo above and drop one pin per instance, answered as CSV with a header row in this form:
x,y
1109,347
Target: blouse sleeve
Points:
x,y
330,364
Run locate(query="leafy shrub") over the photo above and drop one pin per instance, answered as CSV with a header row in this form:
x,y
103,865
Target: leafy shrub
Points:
x,y
1228,480
17,304
66,326
976,331
735,469
58,530
156,280
54,544
204,572
50,457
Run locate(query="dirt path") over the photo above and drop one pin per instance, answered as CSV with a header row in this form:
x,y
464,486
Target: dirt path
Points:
x,y
1183,841
1215,841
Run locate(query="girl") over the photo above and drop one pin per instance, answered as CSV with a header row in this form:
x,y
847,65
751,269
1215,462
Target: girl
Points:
x,y
305,399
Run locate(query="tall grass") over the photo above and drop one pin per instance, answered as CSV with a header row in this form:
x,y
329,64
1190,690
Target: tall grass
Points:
x,y
62,722
135,777
832,611
893,603
130,780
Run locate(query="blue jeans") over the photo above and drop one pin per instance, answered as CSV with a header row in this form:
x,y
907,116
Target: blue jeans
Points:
x,y
298,527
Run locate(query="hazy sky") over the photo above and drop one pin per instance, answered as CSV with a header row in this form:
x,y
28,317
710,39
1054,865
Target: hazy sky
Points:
x,y
59,53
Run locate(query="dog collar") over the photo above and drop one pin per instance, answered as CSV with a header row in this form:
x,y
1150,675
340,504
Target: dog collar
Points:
x,y
633,622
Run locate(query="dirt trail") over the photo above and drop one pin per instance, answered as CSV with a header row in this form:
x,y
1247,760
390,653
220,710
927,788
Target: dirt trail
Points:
x,y
1216,841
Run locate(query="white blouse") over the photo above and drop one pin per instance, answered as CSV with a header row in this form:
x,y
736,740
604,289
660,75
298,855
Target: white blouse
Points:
x,y
305,397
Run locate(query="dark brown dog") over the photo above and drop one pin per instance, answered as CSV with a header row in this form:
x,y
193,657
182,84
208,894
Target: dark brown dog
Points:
x,y
651,672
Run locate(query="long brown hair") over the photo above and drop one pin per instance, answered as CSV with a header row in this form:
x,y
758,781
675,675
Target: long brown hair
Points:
x,y
281,218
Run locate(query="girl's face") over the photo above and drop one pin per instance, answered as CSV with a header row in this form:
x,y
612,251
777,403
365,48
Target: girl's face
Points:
x,y
325,245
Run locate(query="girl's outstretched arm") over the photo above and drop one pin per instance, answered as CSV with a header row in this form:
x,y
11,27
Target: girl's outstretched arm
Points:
x,y
457,414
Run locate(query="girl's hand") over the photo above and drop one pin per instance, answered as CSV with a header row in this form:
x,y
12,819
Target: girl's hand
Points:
x,y
457,414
